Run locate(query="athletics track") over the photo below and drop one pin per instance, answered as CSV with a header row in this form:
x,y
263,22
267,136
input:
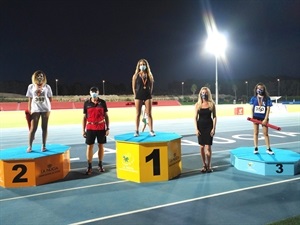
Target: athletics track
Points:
x,y
226,196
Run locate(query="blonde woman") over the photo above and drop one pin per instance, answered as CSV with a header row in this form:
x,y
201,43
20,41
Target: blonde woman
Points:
x,y
205,124
39,95
142,87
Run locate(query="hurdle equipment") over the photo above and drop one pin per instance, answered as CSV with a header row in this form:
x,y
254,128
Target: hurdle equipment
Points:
x,y
148,158
260,122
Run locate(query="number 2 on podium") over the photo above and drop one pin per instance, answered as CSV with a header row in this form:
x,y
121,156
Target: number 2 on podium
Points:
x,y
154,155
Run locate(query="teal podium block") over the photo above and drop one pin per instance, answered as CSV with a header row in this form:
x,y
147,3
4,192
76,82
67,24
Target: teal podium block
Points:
x,y
283,162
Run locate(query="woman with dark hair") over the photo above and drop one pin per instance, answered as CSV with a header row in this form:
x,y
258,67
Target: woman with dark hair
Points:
x,y
261,103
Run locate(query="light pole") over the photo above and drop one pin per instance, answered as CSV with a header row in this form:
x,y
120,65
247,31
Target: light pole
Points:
x,y
278,80
182,84
103,82
56,90
246,82
216,44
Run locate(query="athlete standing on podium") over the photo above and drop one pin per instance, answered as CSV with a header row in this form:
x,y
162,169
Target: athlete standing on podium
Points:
x,y
205,124
261,103
142,87
39,95
95,124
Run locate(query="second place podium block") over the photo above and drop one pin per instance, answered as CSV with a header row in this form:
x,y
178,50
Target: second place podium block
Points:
x,y
148,159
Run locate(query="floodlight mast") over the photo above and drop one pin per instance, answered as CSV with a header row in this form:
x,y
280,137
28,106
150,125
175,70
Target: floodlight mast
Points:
x,y
216,44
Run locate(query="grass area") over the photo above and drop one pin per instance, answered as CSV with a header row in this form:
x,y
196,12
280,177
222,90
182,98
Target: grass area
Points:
x,y
289,221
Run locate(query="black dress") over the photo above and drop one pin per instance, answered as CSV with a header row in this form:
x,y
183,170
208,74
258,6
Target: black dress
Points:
x,y
205,125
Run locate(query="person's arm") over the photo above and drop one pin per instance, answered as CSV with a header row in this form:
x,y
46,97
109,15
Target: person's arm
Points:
x,y
151,86
107,123
252,103
133,84
214,112
265,121
29,105
196,119
84,125
50,92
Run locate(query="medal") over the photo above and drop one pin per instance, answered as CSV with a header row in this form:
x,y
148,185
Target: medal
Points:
x,y
144,79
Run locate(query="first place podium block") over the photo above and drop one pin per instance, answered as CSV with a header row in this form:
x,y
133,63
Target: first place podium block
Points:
x,y
148,159
21,169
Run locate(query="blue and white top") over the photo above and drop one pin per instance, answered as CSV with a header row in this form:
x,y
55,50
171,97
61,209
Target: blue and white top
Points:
x,y
260,105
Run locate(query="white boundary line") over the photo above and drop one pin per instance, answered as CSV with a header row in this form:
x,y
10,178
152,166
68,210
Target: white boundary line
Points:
x,y
61,190
182,202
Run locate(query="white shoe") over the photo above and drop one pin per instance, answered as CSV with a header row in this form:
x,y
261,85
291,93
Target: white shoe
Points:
x,y
270,152
255,151
152,133
136,134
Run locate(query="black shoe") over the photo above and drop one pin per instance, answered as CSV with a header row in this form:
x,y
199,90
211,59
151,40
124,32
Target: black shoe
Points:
x,y
101,169
88,171
255,151
270,152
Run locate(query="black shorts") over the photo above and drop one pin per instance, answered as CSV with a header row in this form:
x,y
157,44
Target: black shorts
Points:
x,y
91,136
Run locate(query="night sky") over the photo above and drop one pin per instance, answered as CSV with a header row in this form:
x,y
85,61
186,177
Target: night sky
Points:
x,y
95,40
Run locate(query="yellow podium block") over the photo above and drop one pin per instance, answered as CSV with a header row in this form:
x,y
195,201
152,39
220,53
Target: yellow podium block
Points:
x,y
148,159
21,169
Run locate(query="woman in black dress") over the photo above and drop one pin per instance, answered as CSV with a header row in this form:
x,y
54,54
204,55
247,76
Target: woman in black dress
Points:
x,y
205,123
142,87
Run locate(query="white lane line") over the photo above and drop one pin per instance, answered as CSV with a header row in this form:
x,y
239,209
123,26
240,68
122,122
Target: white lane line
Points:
x,y
182,202
62,190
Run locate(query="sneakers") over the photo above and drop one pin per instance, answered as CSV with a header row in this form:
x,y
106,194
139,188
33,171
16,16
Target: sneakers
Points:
x,y
255,151
152,133
101,169
88,171
136,134
270,152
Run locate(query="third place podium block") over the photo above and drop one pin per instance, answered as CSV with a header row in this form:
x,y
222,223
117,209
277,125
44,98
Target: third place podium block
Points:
x,y
148,159
283,162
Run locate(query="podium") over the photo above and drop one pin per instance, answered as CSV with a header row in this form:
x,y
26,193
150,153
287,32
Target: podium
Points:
x,y
148,159
21,169
283,162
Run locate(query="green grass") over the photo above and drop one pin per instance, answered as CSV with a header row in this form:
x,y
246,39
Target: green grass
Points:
x,y
289,221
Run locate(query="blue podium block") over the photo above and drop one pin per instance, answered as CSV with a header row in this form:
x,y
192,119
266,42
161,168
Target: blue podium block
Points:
x,y
283,162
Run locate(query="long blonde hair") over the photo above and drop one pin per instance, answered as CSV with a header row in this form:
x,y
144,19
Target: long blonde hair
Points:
x,y
211,103
148,70
35,75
